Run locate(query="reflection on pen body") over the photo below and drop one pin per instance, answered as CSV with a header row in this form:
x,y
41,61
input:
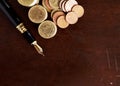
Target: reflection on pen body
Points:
x,y
6,8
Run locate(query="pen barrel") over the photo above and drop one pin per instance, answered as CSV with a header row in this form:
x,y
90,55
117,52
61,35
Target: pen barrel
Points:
x,y
26,34
6,8
8,11
12,16
28,37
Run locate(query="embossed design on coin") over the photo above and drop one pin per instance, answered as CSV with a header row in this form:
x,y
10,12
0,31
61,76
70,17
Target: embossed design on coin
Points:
x,y
47,29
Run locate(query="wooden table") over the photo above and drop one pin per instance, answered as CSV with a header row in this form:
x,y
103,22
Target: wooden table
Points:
x,y
84,54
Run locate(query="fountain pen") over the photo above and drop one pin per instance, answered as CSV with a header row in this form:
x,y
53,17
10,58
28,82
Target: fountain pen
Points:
x,y
9,12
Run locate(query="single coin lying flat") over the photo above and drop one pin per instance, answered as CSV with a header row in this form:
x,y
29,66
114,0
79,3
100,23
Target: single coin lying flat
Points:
x,y
47,29
37,14
79,10
71,17
28,3
61,22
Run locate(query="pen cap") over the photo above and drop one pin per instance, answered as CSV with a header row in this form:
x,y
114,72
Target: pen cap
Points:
x,y
8,11
28,3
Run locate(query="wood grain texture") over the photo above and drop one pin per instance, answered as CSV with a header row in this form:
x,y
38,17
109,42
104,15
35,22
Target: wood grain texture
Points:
x,y
84,54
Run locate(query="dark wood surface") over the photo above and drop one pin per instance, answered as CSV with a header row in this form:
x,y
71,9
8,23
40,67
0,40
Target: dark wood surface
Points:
x,y
84,54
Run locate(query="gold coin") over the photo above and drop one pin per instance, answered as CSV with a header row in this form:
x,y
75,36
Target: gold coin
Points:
x,y
47,29
79,10
61,22
28,3
37,14
54,4
71,17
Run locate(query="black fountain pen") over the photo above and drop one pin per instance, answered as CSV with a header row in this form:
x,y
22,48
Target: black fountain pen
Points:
x,y
6,8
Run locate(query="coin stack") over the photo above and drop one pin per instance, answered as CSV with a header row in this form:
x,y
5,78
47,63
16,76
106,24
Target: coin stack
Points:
x,y
63,13
72,11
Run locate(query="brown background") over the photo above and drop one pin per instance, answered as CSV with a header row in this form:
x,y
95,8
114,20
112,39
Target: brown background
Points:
x,y
84,54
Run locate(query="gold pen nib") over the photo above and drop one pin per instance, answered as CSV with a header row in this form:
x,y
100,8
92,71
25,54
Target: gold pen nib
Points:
x,y
38,48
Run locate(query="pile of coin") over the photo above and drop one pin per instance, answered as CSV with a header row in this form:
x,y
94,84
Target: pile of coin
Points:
x,y
63,13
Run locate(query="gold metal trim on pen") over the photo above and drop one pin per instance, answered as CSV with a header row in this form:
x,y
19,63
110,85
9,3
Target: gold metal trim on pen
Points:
x,y
21,28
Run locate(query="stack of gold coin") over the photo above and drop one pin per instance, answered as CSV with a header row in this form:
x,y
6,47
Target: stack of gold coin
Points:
x,y
66,5
37,13
63,13
73,10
